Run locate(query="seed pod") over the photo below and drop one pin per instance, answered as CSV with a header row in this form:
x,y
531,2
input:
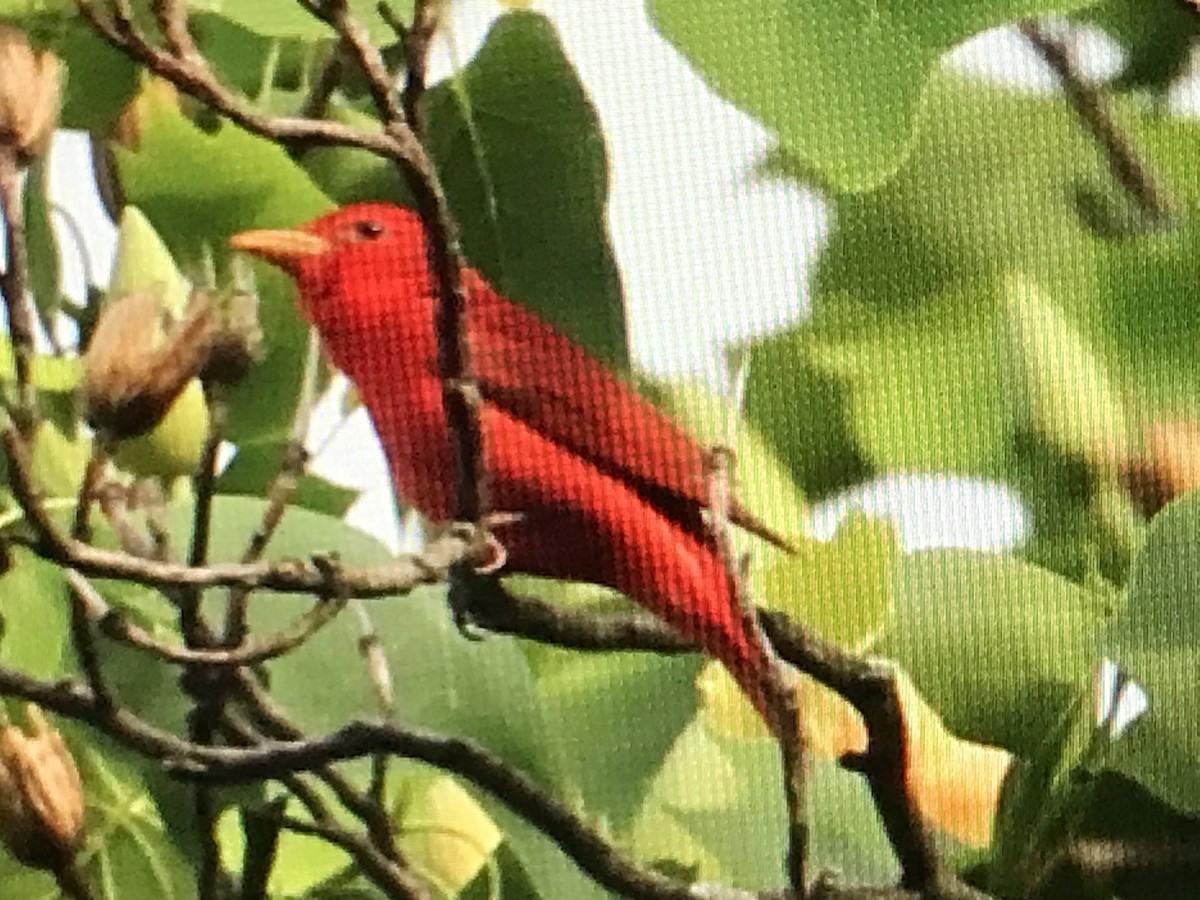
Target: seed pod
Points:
x,y
30,100
135,368
41,796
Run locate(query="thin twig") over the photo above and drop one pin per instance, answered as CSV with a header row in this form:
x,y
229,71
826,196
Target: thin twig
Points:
x,y
460,393
13,288
1095,113
584,844
777,682
261,827
82,640
93,476
205,479
280,490
392,878
118,627
275,722
417,40
871,688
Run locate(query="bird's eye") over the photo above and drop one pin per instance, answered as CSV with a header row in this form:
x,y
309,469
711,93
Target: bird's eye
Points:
x,y
368,229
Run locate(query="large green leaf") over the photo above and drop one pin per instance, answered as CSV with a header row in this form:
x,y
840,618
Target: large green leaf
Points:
x,y
840,83
804,414
34,606
523,161
716,809
910,389
615,717
987,189
521,155
1156,640
996,646
841,588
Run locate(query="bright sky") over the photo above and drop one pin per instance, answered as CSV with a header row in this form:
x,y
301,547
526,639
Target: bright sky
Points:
x,y
684,199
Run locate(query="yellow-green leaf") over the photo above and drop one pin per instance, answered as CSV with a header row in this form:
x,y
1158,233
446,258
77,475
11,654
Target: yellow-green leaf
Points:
x,y
842,588
1071,400
143,263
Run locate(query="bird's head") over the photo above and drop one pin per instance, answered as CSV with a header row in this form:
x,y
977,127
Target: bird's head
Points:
x,y
361,260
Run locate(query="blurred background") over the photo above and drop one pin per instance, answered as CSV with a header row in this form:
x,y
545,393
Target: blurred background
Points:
x,y
692,214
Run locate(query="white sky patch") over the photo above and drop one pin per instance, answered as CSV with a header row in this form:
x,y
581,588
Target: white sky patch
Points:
x,y
934,511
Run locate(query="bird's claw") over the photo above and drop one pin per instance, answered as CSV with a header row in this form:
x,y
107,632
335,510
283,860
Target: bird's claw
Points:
x,y
464,622
489,556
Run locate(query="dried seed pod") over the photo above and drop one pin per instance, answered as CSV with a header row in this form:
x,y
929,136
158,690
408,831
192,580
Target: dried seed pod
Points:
x,y
237,340
41,796
30,99
136,366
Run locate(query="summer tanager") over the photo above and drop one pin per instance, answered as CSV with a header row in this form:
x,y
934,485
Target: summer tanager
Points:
x,y
590,481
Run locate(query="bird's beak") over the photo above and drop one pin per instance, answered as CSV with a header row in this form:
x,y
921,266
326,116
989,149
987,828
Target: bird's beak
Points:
x,y
285,248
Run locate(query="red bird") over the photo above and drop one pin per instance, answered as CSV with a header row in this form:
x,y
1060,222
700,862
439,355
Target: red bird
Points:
x,y
601,485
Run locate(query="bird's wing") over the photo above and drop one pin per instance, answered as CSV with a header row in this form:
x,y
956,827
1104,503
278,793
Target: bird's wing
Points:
x,y
541,377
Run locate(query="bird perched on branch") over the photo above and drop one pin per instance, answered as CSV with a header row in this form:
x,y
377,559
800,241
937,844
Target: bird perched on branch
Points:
x,y
588,479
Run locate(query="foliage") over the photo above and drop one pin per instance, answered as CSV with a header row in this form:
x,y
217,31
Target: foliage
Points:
x,y
990,302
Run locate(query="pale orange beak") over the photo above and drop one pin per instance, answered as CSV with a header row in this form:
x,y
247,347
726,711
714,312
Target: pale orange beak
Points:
x,y
284,247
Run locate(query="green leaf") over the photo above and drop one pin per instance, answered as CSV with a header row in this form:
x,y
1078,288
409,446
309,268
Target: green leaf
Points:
x,y
606,745
522,159
1072,401
53,374
42,242
716,811
58,460
131,848
1156,35
143,263
1159,612
986,190
996,646
301,861
841,589
1156,641
788,64
34,608
444,832
521,156
762,484
803,413
926,385
170,178
256,465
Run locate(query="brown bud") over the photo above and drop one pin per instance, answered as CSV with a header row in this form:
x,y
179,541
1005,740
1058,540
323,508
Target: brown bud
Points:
x,y
29,96
237,339
137,365
41,797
